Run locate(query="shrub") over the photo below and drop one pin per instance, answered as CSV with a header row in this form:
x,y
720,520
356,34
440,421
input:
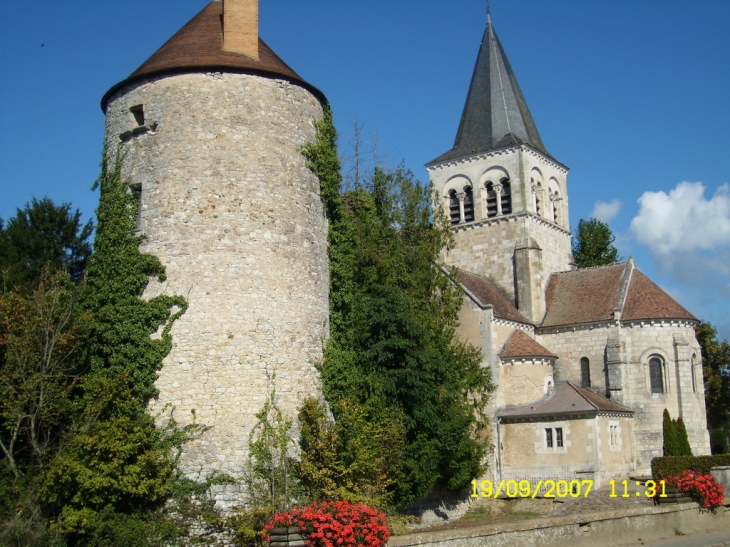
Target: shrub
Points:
x,y
662,468
335,524
701,487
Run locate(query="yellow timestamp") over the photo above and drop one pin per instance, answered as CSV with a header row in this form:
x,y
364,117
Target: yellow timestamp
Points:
x,y
524,488
652,489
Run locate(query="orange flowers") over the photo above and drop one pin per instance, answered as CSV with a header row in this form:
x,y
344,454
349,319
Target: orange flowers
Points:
x,y
335,524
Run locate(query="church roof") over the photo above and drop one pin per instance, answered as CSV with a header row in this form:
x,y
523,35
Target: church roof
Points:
x,y
487,294
607,293
495,114
566,399
519,344
198,47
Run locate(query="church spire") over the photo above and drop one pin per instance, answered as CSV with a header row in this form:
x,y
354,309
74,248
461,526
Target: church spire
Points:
x,y
495,114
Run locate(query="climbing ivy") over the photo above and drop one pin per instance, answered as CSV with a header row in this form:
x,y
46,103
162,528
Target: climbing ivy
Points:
x,y
121,339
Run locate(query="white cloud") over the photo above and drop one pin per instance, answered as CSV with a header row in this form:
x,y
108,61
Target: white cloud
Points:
x,y
606,211
683,221
688,235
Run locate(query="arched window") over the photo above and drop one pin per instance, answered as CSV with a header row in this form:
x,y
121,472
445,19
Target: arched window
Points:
x,y
656,375
536,192
555,198
468,205
491,201
454,212
585,372
506,197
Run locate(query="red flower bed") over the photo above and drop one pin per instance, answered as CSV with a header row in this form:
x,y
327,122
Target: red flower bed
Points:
x,y
701,487
335,524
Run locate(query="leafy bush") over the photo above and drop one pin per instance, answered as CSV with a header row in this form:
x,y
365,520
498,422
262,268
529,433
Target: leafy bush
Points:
x,y
675,465
334,524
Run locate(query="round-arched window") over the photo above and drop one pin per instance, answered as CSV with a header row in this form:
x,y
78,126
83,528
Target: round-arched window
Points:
x,y
656,375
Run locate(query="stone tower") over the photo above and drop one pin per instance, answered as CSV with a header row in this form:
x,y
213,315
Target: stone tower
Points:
x,y
505,195
213,126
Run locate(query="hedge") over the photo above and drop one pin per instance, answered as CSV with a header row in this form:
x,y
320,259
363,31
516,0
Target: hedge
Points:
x,y
674,465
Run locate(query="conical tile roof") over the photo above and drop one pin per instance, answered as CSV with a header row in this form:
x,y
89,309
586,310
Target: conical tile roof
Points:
x,y
495,114
198,47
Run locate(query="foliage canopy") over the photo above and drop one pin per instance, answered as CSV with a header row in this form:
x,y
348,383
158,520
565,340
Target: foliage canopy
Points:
x,y
407,397
44,235
716,371
593,244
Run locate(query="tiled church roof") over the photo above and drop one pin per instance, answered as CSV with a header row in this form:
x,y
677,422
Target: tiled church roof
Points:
x,y
519,344
495,113
566,399
197,47
605,293
487,294
645,300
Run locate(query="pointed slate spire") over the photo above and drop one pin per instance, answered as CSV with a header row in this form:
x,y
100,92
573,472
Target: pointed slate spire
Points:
x,y
495,114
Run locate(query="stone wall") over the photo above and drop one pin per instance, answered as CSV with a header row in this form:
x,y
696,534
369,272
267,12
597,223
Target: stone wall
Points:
x,y
230,208
619,357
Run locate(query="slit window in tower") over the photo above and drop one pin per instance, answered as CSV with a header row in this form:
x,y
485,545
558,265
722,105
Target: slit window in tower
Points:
x,y
138,113
454,213
506,197
468,205
585,372
491,201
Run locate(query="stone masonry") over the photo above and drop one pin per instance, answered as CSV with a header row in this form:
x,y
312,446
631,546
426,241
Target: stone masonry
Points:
x,y
232,211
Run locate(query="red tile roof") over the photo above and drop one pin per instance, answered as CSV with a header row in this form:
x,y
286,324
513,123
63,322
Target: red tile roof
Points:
x,y
583,296
591,295
566,399
197,47
488,294
645,300
519,344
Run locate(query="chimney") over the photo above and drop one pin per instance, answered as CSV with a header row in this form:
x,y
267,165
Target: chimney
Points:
x,y
241,27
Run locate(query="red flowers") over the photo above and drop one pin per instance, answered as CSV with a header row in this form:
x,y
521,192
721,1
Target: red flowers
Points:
x,y
335,524
701,487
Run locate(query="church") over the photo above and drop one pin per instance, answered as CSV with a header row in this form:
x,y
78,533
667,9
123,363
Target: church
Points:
x,y
585,360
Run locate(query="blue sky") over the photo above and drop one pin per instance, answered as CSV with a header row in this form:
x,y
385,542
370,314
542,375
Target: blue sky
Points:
x,y
633,96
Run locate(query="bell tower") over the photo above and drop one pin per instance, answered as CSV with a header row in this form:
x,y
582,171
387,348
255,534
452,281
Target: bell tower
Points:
x,y
505,195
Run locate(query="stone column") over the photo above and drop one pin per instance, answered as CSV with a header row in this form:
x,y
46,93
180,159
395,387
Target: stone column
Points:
x,y
498,191
461,196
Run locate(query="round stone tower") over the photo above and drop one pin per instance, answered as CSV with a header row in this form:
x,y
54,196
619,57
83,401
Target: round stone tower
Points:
x,y
213,127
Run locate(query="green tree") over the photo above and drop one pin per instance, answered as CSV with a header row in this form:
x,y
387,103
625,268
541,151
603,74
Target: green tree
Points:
x,y
40,337
44,235
682,440
593,244
716,372
393,353
669,431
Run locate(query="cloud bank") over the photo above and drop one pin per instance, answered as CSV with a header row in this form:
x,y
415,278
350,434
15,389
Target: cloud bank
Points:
x,y
683,221
688,236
